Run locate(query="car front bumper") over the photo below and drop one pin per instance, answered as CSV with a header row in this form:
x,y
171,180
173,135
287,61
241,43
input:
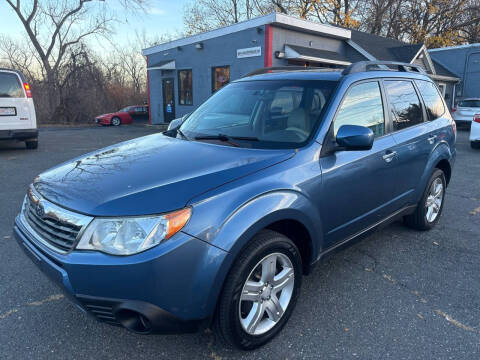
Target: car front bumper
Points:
x,y
167,289
20,134
102,121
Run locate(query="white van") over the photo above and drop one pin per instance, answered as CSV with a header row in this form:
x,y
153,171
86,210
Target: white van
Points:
x,y
17,111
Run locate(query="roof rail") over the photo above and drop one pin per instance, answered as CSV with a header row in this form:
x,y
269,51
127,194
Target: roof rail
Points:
x,y
287,68
362,66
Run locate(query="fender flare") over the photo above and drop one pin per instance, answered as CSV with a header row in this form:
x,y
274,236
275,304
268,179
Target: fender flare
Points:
x,y
259,213
440,152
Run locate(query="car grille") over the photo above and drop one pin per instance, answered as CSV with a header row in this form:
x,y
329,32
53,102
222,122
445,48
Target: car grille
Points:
x,y
55,227
61,235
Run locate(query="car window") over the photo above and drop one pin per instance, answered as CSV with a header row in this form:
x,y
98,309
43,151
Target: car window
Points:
x,y
10,87
404,104
276,114
286,100
362,106
431,98
469,103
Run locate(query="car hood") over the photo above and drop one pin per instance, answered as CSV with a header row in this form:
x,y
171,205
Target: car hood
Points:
x,y
105,115
148,175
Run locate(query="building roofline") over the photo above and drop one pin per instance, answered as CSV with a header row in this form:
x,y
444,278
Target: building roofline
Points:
x,y
272,18
455,47
361,50
427,55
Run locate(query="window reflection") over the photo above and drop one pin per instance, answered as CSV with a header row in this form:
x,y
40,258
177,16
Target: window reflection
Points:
x,y
404,103
362,106
431,98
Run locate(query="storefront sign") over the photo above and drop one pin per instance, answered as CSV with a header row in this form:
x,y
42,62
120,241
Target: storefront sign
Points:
x,y
249,52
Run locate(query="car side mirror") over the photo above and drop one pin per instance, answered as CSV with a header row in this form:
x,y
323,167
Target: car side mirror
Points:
x,y
354,137
176,123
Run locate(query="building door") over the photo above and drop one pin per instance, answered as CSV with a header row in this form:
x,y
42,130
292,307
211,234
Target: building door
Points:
x,y
168,100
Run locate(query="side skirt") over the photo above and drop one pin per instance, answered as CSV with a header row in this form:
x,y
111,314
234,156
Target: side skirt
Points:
x,y
349,241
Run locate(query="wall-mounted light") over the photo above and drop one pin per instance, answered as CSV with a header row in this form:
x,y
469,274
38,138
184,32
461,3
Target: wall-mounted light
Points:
x,y
310,43
254,41
199,46
259,29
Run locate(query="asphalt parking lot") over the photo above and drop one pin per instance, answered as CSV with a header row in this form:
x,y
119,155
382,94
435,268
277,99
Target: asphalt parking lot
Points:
x,y
398,294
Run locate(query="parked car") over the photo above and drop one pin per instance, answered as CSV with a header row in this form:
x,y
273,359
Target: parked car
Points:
x,y
124,116
215,222
465,110
18,120
475,132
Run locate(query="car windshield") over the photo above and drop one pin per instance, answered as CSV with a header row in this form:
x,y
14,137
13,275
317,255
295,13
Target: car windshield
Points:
x,y
261,114
125,109
469,103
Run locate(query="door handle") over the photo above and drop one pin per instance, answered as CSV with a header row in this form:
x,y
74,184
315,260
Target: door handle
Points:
x,y
431,139
388,157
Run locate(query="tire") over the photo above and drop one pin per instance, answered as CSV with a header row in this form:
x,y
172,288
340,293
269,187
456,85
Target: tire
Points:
x,y
31,144
231,318
116,121
422,219
475,144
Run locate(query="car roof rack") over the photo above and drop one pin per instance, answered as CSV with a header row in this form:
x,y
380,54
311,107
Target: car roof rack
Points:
x,y
362,66
272,69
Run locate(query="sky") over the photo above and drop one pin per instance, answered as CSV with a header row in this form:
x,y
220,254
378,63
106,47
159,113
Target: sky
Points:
x,y
163,16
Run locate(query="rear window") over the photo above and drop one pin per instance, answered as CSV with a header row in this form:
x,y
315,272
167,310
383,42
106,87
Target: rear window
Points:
x,y
469,103
431,98
10,87
404,103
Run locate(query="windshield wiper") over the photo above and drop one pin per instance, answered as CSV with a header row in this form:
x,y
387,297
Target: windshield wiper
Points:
x,y
223,137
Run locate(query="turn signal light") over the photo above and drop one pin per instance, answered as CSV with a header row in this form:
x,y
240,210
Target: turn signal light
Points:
x,y
27,90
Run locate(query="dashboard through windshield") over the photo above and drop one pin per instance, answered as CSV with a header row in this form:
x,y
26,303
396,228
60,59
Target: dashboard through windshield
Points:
x,y
261,114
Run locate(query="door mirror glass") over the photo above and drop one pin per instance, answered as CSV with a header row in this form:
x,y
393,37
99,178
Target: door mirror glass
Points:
x,y
176,123
355,137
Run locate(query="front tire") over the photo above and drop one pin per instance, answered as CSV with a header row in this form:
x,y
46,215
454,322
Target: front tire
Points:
x,y
260,291
475,144
430,207
116,121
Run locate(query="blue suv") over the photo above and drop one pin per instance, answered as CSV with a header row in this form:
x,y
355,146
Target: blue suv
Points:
x,y
214,222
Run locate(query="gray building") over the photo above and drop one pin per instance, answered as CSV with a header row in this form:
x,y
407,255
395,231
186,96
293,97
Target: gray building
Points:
x,y
184,73
464,61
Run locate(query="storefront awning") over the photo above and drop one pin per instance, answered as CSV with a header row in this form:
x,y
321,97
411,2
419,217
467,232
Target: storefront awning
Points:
x,y
163,65
294,52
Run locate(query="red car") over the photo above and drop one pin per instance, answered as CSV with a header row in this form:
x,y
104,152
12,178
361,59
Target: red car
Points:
x,y
123,116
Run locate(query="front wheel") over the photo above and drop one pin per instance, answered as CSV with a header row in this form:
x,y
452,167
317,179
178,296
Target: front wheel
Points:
x,y
116,121
475,144
430,207
260,291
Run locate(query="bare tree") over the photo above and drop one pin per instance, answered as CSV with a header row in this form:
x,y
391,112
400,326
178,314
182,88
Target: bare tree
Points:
x,y
55,27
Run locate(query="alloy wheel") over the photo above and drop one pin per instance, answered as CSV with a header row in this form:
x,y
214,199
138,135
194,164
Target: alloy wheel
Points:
x,y
434,200
266,293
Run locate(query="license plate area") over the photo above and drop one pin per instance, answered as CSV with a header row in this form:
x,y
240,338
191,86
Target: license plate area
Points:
x,y
8,111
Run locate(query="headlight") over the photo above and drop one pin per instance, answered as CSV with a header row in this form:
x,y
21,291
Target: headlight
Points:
x,y
131,235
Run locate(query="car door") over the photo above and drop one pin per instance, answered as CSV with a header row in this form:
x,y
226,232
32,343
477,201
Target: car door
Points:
x,y
358,186
14,105
411,133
